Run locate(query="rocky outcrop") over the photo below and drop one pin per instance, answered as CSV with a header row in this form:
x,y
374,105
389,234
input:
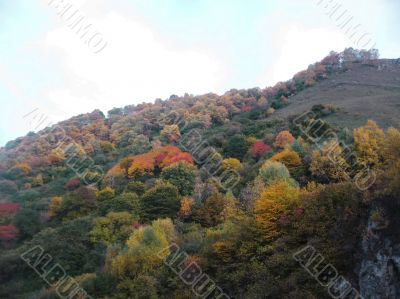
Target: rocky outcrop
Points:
x,y
379,276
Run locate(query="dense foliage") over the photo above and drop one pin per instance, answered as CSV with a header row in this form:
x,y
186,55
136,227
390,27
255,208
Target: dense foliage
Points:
x,y
164,181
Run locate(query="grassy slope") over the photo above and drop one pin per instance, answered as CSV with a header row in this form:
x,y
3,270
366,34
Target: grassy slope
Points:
x,y
363,92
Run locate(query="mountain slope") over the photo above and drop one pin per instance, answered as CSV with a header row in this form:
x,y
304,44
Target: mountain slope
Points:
x,y
364,91
226,180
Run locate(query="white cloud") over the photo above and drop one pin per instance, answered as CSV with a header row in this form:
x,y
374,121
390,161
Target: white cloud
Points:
x,y
134,67
299,47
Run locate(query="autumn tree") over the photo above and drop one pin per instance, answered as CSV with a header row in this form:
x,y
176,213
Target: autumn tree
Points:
x,y
368,143
21,168
146,164
146,249
287,157
272,205
105,194
142,165
211,212
37,180
8,211
283,138
328,164
170,133
186,209
125,164
54,206
72,184
389,174
55,158
259,149
8,233
231,164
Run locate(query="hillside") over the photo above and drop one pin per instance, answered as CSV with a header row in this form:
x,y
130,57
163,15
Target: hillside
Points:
x,y
214,196
365,91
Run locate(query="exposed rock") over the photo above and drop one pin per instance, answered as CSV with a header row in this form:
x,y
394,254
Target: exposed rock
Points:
x,y
379,276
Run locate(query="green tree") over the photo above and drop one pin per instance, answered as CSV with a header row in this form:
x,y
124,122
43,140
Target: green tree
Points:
x,y
182,176
70,245
115,227
28,223
273,171
135,187
125,202
106,193
78,203
161,201
136,267
237,147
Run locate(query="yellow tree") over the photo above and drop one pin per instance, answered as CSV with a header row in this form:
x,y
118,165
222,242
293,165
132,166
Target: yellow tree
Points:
x,y
186,208
135,266
288,157
146,247
368,142
328,163
231,164
390,172
272,205
54,206
391,148
170,133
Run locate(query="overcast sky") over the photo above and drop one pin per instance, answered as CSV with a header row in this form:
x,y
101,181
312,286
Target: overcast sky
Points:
x,y
156,48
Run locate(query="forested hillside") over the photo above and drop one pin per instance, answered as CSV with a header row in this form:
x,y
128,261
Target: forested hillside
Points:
x,y
291,191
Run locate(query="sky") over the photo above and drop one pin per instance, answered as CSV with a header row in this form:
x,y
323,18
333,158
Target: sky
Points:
x,y
156,48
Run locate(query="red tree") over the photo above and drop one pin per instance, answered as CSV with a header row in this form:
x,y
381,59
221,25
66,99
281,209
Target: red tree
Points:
x,y
8,233
259,149
72,184
8,209
246,108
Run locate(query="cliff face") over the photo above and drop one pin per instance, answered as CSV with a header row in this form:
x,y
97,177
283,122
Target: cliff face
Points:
x,y
379,276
